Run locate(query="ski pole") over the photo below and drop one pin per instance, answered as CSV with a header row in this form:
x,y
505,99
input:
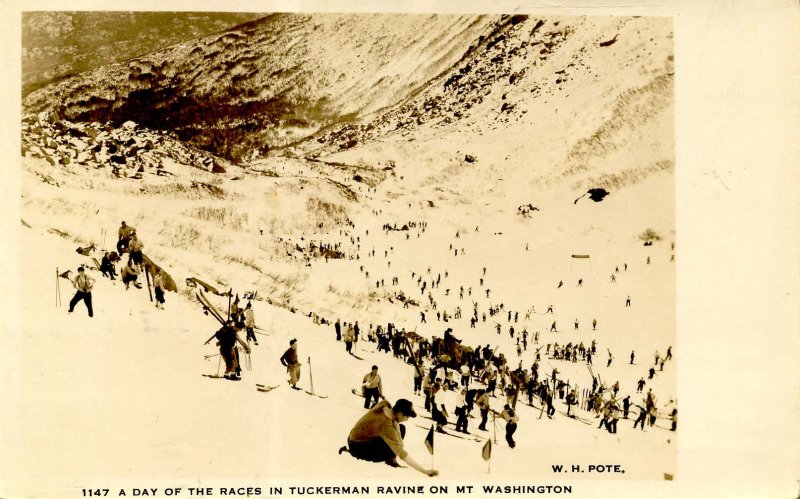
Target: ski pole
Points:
x,y
311,376
494,424
57,287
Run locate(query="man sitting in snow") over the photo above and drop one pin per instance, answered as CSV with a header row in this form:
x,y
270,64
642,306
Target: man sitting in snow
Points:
x,y
378,435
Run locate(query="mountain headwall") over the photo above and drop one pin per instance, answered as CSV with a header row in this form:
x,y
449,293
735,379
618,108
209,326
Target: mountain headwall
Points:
x,y
270,82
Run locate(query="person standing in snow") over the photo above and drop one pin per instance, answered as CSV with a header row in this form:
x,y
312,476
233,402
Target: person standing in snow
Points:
x,y
462,412
349,337
250,323
135,247
83,285
226,340
572,399
641,418
158,285
511,420
124,233
338,328
289,360
484,406
372,388
378,436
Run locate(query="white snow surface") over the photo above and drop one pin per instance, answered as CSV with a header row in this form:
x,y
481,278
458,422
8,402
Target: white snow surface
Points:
x,y
126,387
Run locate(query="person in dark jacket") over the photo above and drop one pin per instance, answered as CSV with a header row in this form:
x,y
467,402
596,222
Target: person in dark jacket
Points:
x,y
107,267
289,360
227,338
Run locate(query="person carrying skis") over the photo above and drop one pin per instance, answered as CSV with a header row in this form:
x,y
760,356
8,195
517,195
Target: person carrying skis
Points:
x,y
378,436
226,340
289,360
250,322
158,285
372,388
83,286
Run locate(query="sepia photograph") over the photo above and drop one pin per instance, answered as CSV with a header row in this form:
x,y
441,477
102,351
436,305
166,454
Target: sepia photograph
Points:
x,y
348,253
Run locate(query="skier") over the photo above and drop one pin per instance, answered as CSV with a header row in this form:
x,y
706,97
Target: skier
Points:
x,y
511,420
124,237
640,385
83,286
641,418
338,328
628,301
289,360
226,340
158,286
378,436
483,405
372,388
576,324
632,356
250,322
572,399
553,326
594,324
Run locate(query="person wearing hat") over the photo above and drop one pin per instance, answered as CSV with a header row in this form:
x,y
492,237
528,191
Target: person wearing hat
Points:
x,y
226,339
83,284
378,435
289,360
125,232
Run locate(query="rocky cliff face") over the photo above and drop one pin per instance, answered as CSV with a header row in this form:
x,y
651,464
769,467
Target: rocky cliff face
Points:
x,y
268,83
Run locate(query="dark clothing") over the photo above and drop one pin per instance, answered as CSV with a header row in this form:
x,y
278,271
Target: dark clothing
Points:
x,y
289,357
510,429
159,295
107,268
371,394
484,415
86,296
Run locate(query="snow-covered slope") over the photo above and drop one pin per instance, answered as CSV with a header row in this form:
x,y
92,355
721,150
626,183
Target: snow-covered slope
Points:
x,y
460,166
